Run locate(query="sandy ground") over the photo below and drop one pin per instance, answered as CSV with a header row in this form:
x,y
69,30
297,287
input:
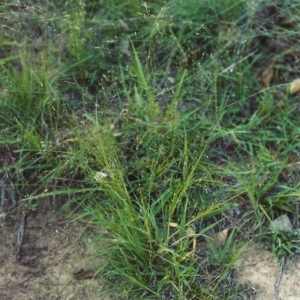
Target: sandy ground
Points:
x,y
53,251
257,269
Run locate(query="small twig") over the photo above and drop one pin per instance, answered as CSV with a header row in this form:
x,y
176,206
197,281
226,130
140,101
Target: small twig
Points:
x,y
297,214
21,234
278,280
2,192
236,63
12,195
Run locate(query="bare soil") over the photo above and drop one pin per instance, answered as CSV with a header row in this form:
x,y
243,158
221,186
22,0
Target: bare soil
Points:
x,y
54,252
258,269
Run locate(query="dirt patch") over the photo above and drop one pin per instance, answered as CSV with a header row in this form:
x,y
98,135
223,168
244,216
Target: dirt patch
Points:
x,y
258,269
53,254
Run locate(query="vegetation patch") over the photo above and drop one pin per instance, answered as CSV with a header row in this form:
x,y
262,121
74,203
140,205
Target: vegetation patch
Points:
x,y
172,127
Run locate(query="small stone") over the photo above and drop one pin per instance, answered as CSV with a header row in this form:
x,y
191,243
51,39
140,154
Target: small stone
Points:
x,y
282,223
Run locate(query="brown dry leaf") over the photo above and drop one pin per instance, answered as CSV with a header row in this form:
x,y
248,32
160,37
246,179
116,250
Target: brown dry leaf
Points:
x,y
196,55
173,225
220,238
266,76
190,233
294,87
83,274
186,255
185,62
294,160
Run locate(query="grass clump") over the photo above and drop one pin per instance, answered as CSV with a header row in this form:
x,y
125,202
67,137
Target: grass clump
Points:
x,y
151,119
151,220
